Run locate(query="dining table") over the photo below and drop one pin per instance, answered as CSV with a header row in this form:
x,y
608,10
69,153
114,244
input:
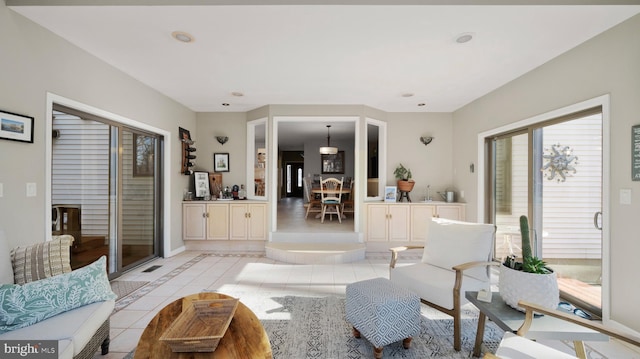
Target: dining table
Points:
x,y
318,190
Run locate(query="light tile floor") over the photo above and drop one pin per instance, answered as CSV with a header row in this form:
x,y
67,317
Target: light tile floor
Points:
x,y
251,278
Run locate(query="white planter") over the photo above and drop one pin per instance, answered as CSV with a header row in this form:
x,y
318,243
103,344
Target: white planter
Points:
x,y
541,289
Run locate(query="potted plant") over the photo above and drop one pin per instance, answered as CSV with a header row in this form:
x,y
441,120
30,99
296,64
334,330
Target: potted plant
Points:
x,y
403,175
529,280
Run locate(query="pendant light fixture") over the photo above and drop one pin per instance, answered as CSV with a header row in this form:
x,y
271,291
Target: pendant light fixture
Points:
x,y
328,150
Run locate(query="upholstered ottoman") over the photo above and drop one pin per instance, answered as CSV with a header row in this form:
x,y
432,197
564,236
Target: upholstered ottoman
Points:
x,y
383,312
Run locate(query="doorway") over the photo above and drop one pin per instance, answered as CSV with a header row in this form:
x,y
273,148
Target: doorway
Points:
x,y
105,181
552,171
293,166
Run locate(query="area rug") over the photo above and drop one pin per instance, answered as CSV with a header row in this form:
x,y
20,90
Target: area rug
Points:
x,y
317,328
123,288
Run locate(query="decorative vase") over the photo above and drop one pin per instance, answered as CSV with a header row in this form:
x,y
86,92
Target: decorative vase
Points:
x,y
405,186
541,289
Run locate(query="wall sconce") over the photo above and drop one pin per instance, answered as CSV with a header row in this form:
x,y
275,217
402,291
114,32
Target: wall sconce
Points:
x,y
426,140
222,139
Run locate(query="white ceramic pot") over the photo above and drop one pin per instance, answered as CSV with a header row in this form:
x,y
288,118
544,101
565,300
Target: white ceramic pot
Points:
x,y
541,289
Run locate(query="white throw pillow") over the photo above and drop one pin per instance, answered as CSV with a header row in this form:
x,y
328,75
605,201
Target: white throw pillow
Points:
x,y
450,243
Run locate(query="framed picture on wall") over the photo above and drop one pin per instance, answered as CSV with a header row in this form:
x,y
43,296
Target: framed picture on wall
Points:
x,y
332,163
16,127
221,162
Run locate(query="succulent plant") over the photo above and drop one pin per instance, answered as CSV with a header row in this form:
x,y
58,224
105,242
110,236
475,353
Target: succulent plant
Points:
x,y
529,264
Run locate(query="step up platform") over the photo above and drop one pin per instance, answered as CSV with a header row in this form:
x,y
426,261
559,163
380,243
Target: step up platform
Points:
x,y
315,253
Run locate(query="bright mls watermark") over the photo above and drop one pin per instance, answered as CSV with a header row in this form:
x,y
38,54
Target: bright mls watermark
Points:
x,y
30,349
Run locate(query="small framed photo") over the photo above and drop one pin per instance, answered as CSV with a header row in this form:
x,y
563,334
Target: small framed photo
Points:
x,y
221,162
16,127
390,193
201,184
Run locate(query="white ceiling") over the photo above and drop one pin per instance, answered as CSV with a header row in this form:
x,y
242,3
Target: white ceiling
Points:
x,y
324,54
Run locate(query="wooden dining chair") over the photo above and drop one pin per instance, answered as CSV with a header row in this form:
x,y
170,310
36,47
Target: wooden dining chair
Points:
x,y
314,204
331,195
347,204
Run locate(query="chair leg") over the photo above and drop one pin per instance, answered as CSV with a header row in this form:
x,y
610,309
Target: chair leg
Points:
x,y
457,341
324,208
338,213
105,346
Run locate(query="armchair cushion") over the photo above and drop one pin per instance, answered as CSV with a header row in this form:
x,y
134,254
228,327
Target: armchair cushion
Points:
x,y
24,305
516,347
450,243
432,283
41,260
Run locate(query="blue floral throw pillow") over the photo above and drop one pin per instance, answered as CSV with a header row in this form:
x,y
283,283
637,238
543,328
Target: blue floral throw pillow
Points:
x,y
27,304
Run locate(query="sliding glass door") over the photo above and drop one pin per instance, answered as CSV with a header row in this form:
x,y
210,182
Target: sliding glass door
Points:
x,y
552,172
139,194
105,189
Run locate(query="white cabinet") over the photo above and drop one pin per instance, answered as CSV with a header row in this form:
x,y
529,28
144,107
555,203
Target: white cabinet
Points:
x,y
387,222
248,221
451,211
194,221
224,221
420,217
422,213
408,221
205,221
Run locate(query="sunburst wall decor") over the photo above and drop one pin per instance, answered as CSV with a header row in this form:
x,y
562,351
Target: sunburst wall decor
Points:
x,y
559,163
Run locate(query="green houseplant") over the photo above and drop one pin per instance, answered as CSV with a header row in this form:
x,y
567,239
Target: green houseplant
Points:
x,y
403,175
529,279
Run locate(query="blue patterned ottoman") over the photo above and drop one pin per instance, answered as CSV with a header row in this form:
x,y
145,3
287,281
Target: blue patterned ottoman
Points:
x,y
383,312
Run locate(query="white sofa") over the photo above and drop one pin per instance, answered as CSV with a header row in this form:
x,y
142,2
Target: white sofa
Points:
x,y
79,332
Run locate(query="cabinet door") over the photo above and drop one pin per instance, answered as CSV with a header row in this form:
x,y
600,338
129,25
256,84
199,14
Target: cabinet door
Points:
x,y
238,221
377,222
193,221
420,218
257,222
217,221
454,212
398,223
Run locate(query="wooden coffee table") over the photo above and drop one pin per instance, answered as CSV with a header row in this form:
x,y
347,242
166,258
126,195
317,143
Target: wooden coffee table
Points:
x,y
245,338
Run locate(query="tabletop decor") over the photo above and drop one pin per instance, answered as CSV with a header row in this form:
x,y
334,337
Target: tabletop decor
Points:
x,y
529,280
200,326
403,175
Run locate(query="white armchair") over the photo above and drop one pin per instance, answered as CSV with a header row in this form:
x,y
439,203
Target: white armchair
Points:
x,y
456,258
515,346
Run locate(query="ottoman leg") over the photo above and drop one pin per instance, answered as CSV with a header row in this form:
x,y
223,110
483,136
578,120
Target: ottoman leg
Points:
x,y
406,343
377,353
356,332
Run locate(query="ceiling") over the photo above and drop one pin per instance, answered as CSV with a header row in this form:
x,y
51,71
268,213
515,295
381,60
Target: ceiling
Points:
x,y
375,55
365,52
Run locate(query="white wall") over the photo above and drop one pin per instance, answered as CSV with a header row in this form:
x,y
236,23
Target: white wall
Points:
x,y
34,62
606,64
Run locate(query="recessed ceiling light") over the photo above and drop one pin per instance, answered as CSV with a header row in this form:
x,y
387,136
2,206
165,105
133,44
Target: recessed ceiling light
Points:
x,y
237,94
464,37
182,36
225,104
408,94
